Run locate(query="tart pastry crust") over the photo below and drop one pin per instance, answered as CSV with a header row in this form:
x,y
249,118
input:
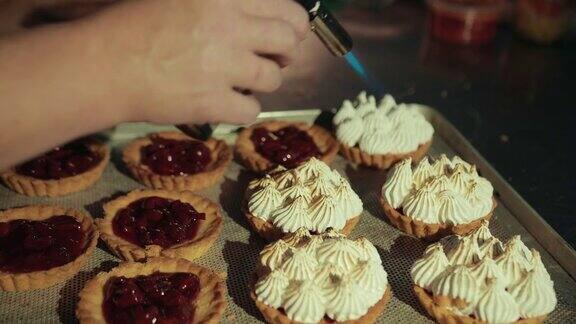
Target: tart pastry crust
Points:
x,y
444,316
251,159
431,231
275,316
34,187
271,233
50,277
221,157
210,303
382,161
208,229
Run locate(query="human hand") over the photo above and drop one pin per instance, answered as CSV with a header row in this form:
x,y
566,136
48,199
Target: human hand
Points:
x,y
17,15
180,61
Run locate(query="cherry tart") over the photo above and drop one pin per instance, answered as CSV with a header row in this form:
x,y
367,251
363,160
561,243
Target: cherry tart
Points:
x,y
174,161
41,246
267,145
162,290
63,170
152,223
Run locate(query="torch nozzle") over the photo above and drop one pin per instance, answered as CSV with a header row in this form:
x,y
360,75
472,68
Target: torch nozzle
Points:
x,y
327,28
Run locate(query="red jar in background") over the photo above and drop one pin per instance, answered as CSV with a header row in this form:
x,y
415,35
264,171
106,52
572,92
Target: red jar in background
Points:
x,y
469,22
542,21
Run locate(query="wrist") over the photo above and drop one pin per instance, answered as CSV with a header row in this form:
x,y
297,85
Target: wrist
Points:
x,y
104,73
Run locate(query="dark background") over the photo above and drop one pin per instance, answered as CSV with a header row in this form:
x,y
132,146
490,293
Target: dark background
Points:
x,y
512,99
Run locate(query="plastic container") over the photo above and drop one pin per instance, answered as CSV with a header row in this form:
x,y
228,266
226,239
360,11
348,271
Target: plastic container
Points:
x,y
472,22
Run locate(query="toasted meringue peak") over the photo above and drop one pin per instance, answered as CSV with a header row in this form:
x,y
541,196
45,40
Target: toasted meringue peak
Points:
x,y
300,265
427,269
422,206
326,212
264,201
398,183
304,302
285,179
441,165
487,269
264,182
367,251
496,305
465,252
515,243
297,238
482,233
422,173
513,264
453,208
313,169
272,256
346,300
338,251
534,296
271,288
492,248
538,267
456,282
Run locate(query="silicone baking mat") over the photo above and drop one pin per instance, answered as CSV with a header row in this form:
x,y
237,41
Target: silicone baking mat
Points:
x,y
236,251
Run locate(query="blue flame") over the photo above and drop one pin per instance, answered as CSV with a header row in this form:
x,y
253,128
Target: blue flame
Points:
x,y
375,86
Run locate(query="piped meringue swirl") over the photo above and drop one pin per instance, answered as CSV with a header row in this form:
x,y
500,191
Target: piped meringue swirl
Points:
x,y
381,128
444,192
311,196
321,275
499,285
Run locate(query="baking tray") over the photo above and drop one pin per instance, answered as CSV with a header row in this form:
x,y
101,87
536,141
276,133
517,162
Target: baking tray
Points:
x,y
236,252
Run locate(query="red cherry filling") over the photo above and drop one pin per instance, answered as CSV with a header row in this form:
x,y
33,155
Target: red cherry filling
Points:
x,y
157,221
288,146
65,161
156,298
27,246
175,157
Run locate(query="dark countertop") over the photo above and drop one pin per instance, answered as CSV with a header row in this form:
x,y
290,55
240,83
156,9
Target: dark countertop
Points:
x,y
513,100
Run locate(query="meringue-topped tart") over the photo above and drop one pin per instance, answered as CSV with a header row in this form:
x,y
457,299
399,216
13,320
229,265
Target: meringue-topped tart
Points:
x,y
312,196
379,134
436,199
477,279
326,278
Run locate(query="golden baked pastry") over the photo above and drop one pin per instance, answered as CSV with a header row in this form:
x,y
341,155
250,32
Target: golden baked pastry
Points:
x,y
41,246
66,169
264,146
174,161
151,223
161,289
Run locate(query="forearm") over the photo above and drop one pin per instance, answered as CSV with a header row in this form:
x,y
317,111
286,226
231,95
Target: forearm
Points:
x,y
52,90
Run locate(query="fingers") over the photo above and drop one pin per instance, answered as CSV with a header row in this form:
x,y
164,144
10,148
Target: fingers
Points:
x,y
255,73
287,10
227,106
272,38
